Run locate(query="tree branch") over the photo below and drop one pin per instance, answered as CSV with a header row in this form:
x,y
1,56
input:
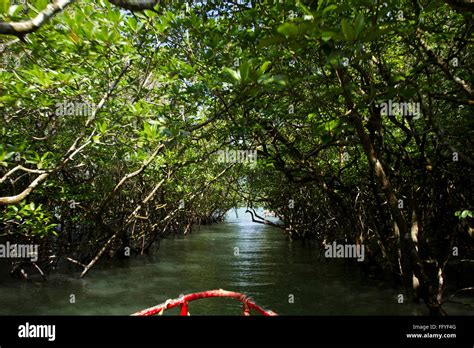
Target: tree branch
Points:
x,y
72,151
19,167
444,65
135,5
20,29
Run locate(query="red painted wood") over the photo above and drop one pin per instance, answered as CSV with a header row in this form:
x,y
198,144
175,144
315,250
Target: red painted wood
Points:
x,y
184,309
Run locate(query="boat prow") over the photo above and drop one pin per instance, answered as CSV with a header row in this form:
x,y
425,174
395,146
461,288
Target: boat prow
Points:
x,y
183,302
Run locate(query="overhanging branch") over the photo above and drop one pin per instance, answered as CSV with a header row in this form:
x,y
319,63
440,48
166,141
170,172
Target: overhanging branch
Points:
x,y
20,29
135,5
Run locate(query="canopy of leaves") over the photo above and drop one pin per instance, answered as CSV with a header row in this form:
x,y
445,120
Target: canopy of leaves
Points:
x,y
128,114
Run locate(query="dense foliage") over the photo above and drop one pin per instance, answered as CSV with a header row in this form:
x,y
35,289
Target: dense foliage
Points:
x,y
121,124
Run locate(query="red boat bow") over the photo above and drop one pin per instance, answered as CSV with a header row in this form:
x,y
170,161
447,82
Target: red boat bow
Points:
x,y
183,302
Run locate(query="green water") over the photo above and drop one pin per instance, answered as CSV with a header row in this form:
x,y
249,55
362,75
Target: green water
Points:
x,y
270,269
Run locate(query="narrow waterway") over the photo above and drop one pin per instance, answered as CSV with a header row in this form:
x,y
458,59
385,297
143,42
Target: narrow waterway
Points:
x,y
238,255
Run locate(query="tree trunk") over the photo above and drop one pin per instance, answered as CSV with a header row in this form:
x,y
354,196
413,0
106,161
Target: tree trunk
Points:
x,y
411,263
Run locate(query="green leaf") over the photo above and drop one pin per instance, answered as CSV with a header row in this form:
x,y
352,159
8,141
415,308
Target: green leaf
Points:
x,y
4,6
132,23
102,127
244,70
288,29
320,5
331,125
267,79
303,8
329,8
398,78
7,99
326,35
234,74
263,68
462,214
347,29
359,24
40,4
